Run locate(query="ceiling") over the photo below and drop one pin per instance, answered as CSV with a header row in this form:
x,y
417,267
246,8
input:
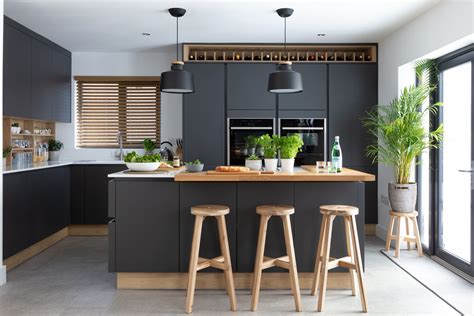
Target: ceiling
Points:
x,y
117,25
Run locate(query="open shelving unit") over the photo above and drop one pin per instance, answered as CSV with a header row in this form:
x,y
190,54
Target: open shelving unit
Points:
x,y
9,138
224,53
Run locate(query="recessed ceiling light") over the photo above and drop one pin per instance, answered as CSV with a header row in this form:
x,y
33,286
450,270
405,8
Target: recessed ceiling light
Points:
x,y
146,34
321,34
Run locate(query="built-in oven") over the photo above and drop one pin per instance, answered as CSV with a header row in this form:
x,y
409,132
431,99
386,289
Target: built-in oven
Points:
x,y
313,133
241,135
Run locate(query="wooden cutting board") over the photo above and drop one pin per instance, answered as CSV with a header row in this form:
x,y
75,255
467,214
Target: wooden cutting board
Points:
x,y
232,173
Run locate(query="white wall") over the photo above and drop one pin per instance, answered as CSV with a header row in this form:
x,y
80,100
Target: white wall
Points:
x,y
3,273
121,64
446,27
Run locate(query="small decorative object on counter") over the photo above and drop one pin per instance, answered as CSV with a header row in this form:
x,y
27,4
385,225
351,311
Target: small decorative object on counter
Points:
x,y
321,167
176,162
289,147
194,166
269,145
336,155
54,146
253,162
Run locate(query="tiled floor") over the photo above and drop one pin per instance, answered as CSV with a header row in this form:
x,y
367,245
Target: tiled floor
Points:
x,y
71,278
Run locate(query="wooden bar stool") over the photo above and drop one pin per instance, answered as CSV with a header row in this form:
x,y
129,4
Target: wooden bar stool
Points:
x,y
398,237
352,261
222,262
287,262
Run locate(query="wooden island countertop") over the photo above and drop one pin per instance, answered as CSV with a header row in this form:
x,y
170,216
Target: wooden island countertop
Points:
x,y
302,174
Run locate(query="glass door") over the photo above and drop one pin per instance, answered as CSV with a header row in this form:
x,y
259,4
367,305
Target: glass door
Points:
x,y
455,164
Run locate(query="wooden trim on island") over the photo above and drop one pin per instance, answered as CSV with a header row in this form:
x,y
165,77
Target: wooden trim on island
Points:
x,y
88,230
178,281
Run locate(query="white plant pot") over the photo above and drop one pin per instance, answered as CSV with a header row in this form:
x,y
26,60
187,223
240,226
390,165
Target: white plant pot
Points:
x,y
287,165
271,164
53,155
253,164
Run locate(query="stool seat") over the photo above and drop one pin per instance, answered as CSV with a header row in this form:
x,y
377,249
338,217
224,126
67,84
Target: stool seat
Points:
x,y
411,214
275,210
339,210
210,210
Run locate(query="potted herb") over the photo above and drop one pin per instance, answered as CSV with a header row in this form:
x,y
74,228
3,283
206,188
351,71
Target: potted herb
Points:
x,y
149,146
54,146
250,144
16,129
270,148
6,152
253,162
194,166
289,147
400,137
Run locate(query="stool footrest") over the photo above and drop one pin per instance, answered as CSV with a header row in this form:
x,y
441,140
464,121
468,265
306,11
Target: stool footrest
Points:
x,y
345,262
282,262
410,238
217,262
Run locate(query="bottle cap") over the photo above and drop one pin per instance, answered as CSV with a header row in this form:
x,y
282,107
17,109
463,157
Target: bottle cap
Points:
x,y
336,138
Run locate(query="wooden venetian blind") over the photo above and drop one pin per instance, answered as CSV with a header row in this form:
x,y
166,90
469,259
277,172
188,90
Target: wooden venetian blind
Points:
x,y
108,105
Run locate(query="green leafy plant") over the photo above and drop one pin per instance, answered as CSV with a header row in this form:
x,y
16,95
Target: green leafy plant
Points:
x,y
269,145
148,145
290,146
15,125
250,141
134,157
7,151
253,157
54,145
399,133
195,162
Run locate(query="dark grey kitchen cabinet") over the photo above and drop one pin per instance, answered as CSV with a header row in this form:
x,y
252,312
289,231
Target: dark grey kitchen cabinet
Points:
x,y
36,205
352,92
42,84
314,94
16,73
192,194
247,87
146,226
61,96
249,195
77,194
204,116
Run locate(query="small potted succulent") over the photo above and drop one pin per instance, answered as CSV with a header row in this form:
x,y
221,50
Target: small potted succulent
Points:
x,y
270,149
289,147
6,152
54,146
253,162
149,146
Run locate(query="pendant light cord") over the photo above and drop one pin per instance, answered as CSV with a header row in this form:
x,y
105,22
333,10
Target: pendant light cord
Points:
x,y
285,35
177,39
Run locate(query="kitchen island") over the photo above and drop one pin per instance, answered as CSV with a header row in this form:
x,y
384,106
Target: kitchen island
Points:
x,y
151,230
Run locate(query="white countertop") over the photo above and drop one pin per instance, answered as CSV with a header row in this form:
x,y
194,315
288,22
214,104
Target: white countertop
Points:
x,y
52,164
128,174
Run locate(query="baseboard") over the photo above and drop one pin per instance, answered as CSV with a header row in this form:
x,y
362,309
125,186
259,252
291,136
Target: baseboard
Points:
x,y
370,229
33,250
178,281
3,275
88,230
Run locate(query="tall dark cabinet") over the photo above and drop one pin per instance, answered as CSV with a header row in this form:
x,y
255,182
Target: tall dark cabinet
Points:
x,y
204,115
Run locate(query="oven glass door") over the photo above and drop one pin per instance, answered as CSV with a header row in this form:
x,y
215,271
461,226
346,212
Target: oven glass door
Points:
x,y
312,133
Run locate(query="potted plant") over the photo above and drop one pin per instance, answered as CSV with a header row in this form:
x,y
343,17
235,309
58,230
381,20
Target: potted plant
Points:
x,y
400,137
250,144
54,146
149,146
253,162
16,129
289,147
6,152
270,148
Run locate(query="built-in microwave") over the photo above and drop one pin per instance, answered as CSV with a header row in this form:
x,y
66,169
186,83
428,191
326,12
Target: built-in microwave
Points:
x,y
313,133
241,132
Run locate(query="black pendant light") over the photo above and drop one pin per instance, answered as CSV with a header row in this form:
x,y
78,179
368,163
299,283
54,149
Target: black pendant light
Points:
x,y
285,80
177,80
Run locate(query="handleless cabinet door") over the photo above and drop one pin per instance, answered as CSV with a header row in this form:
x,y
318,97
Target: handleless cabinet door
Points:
x,y
42,84
204,116
352,92
247,87
314,94
16,73
61,98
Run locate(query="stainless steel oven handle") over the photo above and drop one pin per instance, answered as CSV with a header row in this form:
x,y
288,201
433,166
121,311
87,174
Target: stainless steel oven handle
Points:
x,y
466,170
251,128
303,128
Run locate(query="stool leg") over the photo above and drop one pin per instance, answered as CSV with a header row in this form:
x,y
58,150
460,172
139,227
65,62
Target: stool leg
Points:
x,y
325,260
399,237
407,226
317,262
358,262
193,261
417,236
350,253
389,233
290,251
229,279
257,275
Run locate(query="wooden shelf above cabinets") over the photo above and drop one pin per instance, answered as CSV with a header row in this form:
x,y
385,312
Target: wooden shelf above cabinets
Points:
x,y
225,53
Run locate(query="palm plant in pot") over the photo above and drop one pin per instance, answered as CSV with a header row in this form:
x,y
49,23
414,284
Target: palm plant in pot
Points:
x,y
54,146
289,147
401,137
269,145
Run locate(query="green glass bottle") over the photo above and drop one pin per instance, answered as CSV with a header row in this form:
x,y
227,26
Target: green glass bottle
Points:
x,y
336,155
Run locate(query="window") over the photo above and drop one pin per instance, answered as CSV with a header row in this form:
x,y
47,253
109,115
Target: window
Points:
x,y
108,105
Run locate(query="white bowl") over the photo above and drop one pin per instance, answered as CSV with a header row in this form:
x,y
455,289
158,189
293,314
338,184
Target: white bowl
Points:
x,y
143,166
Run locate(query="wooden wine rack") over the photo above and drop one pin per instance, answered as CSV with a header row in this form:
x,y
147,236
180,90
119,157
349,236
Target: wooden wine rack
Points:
x,y
224,53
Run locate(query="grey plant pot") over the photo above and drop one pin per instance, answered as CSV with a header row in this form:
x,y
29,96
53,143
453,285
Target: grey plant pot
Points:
x,y
402,197
53,155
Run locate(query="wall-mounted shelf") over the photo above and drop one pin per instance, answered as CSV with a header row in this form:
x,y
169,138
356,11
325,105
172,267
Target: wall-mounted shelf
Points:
x,y
225,53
